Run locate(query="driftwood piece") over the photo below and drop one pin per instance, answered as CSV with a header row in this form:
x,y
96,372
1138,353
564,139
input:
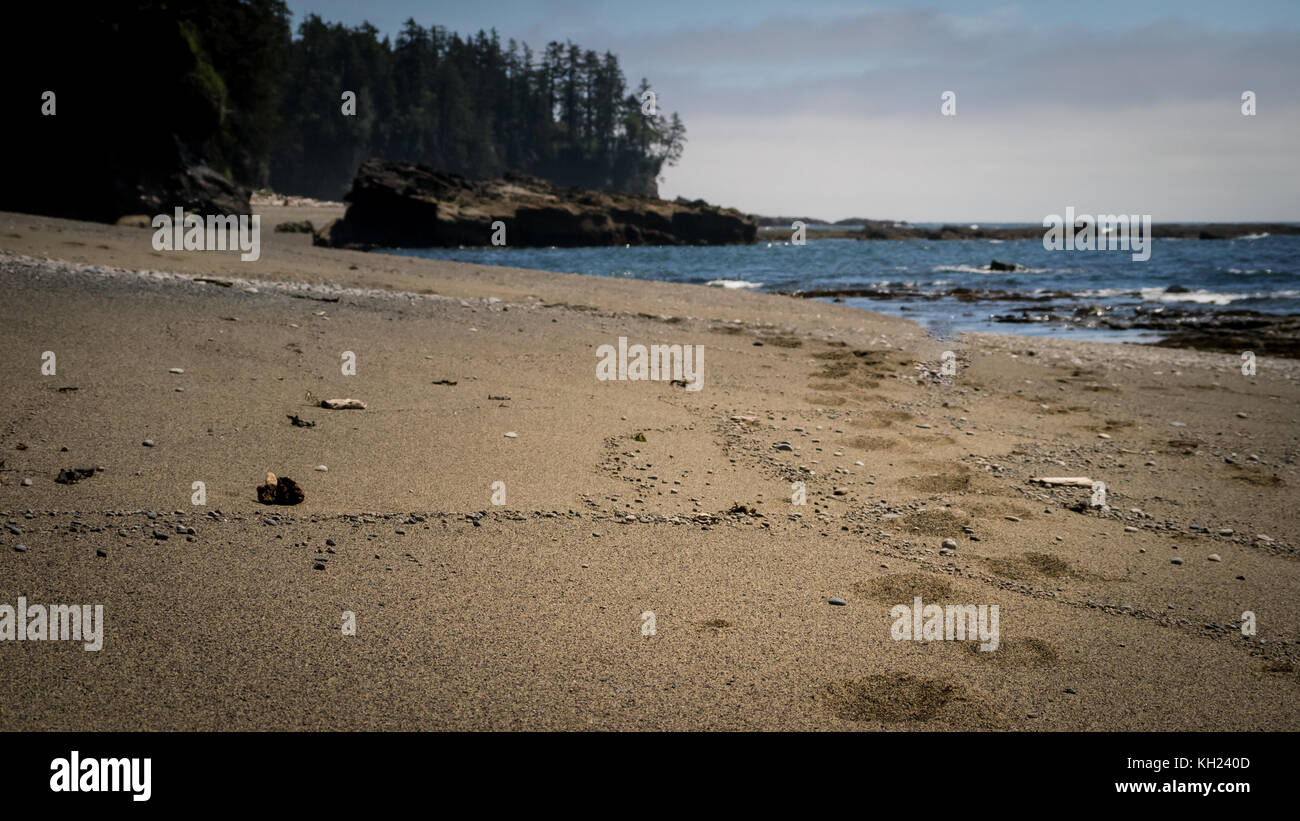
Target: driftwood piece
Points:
x,y
1063,481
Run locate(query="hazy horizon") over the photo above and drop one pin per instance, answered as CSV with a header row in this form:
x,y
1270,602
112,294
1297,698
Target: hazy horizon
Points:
x,y
833,110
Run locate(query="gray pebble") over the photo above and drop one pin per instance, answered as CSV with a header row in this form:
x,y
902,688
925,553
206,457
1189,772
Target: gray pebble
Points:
x,y
147,443
21,548
27,483
1175,560
951,544
838,601
160,536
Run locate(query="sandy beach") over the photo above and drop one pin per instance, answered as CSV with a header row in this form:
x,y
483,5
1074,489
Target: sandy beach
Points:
x,y
622,498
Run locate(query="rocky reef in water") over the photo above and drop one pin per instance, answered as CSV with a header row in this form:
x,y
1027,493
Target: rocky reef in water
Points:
x,y
393,204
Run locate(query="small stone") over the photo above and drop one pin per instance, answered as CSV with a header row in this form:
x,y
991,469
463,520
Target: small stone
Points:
x,y
1175,560
1013,518
1214,557
21,548
27,483
1130,529
147,443
330,543
322,468
1227,531
838,602
1103,436
951,544
272,522
841,491
101,553
160,536
175,370
318,566
1071,690
1241,415
512,435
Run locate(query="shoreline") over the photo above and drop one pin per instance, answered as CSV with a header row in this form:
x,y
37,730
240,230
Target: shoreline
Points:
x,y
621,498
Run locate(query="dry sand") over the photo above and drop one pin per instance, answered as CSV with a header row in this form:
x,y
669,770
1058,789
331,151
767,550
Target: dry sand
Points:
x,y
527,615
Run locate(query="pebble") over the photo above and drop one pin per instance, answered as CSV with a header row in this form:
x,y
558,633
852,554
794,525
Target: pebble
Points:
x,y
1175,560
1214,557
27,483
185,531
102,553
176,370
147,443
838,602
1241,415
330,543
951,544
841,491
21,548
1179,424
1130,529
1013,518
318,566
1227,531
322,468
271,522
160,536
512,435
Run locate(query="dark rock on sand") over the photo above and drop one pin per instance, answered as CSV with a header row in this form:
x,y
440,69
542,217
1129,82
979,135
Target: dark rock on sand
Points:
x,y
281,491
70,476
301,227
407,205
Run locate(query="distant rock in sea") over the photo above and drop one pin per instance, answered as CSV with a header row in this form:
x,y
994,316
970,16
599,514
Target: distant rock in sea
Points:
x,y
395,204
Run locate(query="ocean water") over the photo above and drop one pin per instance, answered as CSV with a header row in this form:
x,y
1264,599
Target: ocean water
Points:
x,y
947,287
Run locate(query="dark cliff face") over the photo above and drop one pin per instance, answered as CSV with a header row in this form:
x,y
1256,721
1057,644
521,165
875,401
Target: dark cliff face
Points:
x,y
405,205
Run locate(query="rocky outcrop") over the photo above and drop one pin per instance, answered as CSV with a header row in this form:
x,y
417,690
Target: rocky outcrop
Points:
x,y
106,187
404,205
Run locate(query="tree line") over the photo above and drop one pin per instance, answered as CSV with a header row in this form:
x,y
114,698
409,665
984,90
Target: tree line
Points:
x,y
146,87
470,105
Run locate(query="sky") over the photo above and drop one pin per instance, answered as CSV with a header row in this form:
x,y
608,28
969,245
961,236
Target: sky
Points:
x,y
833,109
